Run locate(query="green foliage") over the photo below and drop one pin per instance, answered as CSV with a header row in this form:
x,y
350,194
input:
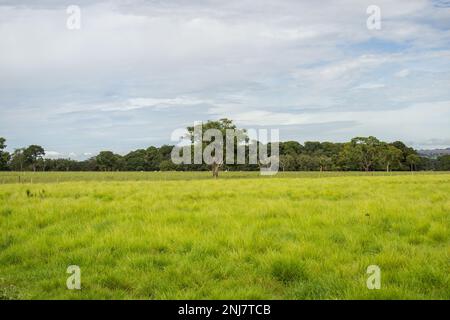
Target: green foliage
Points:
x,y
443,163
4,156
196,135
4,159
167,165
288,162
390,157
361,153
32,154
412,160
18,160
108,161
136,160
291,148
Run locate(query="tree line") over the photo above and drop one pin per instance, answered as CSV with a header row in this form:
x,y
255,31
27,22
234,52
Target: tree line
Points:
x,y
358,154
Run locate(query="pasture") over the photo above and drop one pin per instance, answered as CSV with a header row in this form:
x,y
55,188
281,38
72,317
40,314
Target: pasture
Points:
x,y
184,235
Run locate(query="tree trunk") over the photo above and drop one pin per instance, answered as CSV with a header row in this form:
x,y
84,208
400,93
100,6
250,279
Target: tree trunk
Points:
x,y
387,167
215,170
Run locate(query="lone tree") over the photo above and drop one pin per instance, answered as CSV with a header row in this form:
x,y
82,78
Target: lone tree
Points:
x,y
197,138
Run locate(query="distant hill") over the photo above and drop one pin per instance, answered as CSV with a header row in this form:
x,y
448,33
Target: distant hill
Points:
x,y
434,153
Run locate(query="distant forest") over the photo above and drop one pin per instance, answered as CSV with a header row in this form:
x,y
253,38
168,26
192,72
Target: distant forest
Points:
x,y
359,154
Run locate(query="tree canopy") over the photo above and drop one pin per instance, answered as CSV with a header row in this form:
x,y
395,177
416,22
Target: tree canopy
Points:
x,y
360,153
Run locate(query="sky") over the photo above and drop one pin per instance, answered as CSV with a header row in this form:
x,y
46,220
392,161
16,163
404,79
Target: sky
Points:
x,y
136,71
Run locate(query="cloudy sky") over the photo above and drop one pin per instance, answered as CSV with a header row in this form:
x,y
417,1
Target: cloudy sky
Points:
x,y
137,70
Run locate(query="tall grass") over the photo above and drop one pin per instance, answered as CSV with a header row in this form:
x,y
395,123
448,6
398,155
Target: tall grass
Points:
x,y
242,237
47,177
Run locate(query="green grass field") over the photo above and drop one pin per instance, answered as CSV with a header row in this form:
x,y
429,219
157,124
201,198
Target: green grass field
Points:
x,y
186,236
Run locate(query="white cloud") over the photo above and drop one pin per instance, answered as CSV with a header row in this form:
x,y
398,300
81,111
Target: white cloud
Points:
x,y
139,103
138,69
402,73
385,124
370,86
